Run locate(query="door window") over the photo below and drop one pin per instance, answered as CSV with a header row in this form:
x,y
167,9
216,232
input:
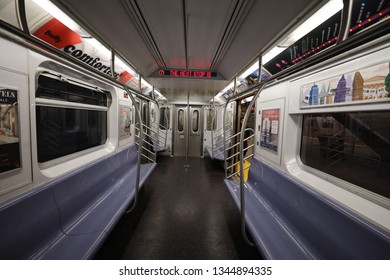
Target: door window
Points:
x,y
180,120
195,121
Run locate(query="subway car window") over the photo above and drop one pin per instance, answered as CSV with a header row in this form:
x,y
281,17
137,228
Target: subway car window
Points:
x,y
180,120
165,115
353,146
195,121
62,130
56,89
211,119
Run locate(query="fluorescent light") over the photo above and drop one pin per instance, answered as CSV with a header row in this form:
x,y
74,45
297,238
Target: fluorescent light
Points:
x,y
124,66
228,87
272,53
323,14
99,46
145,84
250,70
231,85
58,14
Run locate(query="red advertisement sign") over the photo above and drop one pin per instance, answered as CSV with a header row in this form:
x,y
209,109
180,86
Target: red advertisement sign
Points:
x,y
57,34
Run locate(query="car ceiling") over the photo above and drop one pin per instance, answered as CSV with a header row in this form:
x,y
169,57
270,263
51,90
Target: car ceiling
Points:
x,y
220,35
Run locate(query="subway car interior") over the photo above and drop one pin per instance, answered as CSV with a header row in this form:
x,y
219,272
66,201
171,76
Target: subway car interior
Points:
x,y
195,129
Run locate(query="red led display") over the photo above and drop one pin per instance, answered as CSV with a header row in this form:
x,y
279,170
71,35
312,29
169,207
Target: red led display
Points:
x,y
187,73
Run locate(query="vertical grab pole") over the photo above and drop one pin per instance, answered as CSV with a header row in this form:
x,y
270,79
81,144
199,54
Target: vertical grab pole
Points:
x,y
224,128
187,123
212,138
168,122
224,135
158,122
242,183
138,114
212,130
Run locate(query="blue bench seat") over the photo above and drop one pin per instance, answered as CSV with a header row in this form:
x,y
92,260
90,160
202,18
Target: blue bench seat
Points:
x,y
218,154
289,220
70,217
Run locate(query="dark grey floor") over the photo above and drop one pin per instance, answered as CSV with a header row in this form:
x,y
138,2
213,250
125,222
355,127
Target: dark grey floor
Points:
x,y
181,215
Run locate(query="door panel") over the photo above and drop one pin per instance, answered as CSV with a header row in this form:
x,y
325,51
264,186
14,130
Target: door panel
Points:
x,y
188,126
180,131
195,146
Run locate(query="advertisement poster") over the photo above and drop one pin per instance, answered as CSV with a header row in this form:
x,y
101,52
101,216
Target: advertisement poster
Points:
x,y
269,137
86,49
322,37
365,85
367,13
9,130
124,121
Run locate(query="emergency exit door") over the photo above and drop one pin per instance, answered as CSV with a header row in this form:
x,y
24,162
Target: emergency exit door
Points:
x,y
188,131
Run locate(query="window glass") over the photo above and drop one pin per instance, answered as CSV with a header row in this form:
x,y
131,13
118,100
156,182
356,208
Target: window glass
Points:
x,y
195,121
180,120
63,129
353,146
211,119
165,115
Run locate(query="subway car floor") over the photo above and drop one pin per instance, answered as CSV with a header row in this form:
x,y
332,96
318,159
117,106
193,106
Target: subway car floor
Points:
x,y
180,215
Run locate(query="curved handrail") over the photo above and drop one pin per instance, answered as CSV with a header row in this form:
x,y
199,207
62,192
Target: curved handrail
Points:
x,y
242,186
345,21
252,136
152,139
224,130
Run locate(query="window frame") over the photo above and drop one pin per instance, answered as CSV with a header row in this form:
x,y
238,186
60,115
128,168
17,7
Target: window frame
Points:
x,y
51,103
337,181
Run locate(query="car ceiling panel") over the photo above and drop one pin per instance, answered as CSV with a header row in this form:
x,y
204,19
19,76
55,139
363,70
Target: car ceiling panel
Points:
x,y
165,21
111,22
208,22
263,25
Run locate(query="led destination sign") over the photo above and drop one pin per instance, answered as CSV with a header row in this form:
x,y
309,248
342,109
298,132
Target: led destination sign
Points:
x,y
179,73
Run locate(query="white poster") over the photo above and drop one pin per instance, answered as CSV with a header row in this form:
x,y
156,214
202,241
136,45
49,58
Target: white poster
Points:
x,y
124,121
9,130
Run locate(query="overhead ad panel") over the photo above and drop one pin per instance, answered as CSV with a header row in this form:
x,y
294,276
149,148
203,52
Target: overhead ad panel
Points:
x,y
364,15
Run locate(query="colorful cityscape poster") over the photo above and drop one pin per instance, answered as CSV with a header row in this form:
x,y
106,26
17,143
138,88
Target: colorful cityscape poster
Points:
x,y
270,129
361,86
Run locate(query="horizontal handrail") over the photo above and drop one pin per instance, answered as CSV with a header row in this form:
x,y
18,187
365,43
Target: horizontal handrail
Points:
x,y
237,136
216,139
237,172
236,154
145,134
